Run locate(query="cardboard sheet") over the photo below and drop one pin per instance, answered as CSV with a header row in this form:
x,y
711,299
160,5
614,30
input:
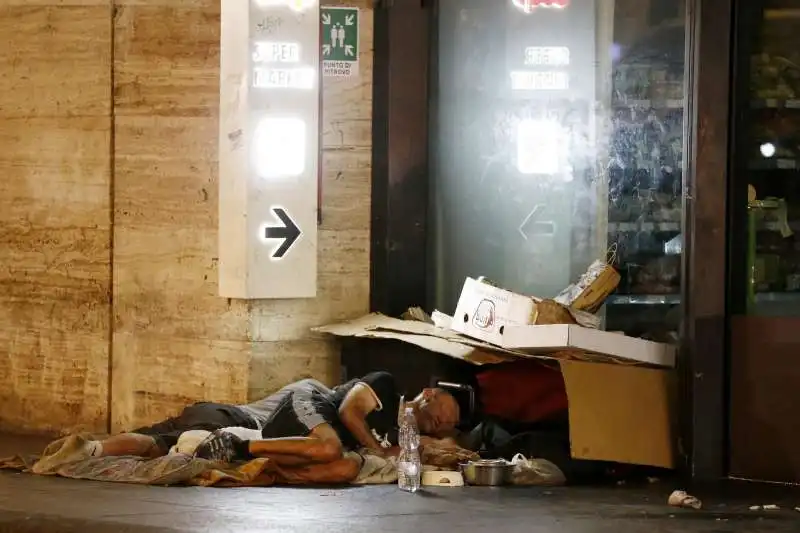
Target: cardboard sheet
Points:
x,y
621,413
422,334
377,325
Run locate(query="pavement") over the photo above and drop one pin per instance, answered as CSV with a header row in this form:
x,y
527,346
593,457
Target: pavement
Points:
x,y
31,503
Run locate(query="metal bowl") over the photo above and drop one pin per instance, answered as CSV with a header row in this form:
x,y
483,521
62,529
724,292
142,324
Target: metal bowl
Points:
x,y
487,472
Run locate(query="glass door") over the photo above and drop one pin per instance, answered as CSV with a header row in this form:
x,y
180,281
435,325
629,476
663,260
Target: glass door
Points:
x,y
557,131
765,243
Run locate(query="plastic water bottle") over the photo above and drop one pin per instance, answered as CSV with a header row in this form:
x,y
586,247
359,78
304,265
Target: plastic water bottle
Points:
x,y
409,464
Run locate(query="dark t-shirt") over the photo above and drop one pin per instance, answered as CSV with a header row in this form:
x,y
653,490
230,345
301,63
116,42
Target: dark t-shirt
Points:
x,y
383,420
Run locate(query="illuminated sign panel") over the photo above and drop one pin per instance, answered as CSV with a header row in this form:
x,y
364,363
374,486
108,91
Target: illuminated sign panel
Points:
x,y
266,76
528,6
294,5
276,52
547,56
284,78
540,147
279,147
534,80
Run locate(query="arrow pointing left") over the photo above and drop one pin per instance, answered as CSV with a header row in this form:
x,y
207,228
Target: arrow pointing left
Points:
x,y
289,232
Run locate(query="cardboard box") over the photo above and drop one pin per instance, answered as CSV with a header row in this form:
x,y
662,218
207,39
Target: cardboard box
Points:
x,y
592,289
483,312
503,318
617,412
546,339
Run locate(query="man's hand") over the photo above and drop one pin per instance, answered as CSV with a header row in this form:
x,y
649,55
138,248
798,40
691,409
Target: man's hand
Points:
x,y
394,451
358,403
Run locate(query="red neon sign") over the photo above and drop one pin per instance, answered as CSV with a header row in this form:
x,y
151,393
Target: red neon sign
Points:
x,y
529,5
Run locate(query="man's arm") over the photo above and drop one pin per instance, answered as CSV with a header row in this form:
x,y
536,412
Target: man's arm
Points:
x,y
358,403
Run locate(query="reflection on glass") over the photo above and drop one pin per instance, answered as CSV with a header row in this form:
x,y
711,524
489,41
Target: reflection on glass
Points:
x,y
557,134
772,130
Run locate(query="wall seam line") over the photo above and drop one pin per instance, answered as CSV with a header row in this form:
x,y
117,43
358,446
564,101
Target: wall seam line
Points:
x,y
112,225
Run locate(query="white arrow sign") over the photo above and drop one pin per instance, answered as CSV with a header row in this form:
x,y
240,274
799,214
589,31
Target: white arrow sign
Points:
x,y
326,19
348,50
326,49
349,20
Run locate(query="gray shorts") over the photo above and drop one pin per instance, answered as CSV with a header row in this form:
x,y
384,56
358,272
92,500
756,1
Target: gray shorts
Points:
x,y
295,410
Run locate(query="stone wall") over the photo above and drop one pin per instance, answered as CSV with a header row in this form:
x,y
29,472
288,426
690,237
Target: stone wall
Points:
x,y
108,251
55,219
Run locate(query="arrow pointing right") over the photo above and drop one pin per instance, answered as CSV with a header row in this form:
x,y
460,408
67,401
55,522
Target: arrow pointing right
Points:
x,y
289,232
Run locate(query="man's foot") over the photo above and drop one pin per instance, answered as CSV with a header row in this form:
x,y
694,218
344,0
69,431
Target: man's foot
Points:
x,y
70,449
222,447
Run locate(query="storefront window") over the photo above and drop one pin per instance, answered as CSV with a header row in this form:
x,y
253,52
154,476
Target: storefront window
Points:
x,y
769,153
557,139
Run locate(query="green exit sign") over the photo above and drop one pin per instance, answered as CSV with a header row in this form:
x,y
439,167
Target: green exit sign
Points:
x,y
340,27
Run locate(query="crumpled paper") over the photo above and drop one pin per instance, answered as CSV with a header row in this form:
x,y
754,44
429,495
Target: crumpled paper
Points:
x,y
681,498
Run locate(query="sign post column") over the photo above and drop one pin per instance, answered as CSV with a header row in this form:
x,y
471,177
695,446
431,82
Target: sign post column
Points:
x,y
268,148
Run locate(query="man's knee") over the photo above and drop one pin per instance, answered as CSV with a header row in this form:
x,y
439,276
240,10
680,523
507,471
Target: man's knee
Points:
x,y
330,451
330,447
347,468
137,444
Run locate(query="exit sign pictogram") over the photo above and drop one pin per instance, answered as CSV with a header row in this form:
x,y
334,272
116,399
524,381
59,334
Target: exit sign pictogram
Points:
x,y
528,6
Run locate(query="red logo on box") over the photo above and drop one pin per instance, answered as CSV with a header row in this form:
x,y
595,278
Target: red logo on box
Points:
x,y
529,5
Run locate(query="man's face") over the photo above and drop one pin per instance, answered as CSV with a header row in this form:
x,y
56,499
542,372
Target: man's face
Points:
x,y
438,412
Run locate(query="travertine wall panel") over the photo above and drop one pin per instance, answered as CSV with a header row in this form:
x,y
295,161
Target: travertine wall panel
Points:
x,y
55,96
175,340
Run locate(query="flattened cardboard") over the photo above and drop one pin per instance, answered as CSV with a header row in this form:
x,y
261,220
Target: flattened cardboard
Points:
x,y
617,412
427,336
621,413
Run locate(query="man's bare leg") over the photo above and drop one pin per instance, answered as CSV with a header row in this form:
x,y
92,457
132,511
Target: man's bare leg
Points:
x,y
337,472
124,444
130,444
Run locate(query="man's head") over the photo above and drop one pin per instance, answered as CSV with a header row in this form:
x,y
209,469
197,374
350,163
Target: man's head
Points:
x,y
436,411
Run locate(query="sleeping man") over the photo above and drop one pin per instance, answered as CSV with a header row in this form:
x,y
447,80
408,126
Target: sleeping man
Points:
x,y
303,423
307,421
